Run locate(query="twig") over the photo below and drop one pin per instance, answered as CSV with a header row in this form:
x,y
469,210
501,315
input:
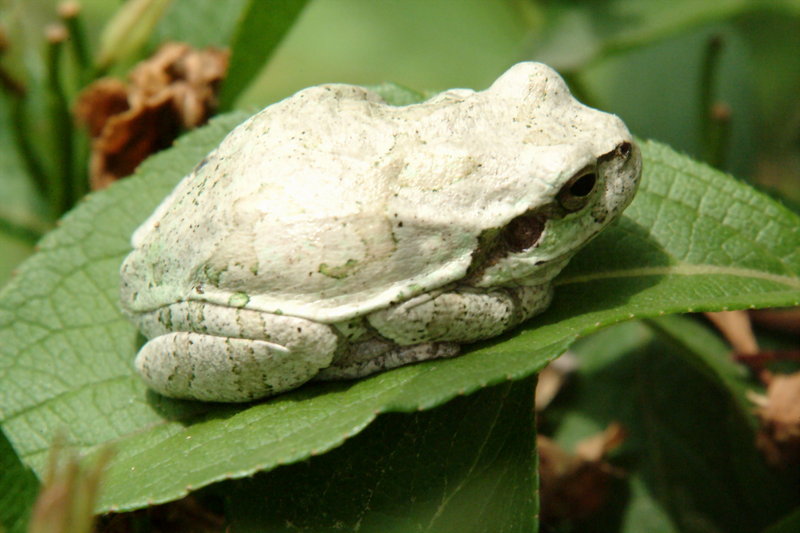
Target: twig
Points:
x,y
715,116
60,195
19,231
70,11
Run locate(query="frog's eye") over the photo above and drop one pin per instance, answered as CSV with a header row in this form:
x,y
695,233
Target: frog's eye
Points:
x,y
575,194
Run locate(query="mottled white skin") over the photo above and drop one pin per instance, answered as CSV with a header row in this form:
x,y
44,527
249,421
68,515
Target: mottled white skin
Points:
x,y
332,235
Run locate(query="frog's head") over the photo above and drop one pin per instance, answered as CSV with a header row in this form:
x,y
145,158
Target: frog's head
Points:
x,y
584,167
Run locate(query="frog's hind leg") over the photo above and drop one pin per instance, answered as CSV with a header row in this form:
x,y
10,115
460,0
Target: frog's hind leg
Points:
x,y
222,369
376,355
236,358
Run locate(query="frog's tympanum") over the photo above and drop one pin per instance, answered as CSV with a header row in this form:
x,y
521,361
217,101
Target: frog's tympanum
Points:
x,y
332,235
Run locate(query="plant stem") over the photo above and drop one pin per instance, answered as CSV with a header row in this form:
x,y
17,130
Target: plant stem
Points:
x,y
30,158
20,232
714,115
10,85
19,130
69,12
61,193
719,133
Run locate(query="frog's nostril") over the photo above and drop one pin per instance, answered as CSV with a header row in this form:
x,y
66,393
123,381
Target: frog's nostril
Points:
x,y
523,232
625,150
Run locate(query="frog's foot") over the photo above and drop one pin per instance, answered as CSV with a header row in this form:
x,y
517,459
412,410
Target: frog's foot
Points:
x,y
221,369
241,355
376,355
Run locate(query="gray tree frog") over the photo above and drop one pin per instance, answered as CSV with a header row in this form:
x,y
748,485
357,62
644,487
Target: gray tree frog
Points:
x,y
332,235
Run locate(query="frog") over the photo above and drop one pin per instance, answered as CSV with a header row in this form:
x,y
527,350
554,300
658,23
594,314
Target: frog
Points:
x,y
332,235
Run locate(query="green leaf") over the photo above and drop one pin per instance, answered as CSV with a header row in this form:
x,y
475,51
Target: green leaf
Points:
x,y
22,219
397,94
708,354
789,524
18,489
129,29
466,466
262,26
690,458
199,23
578,33
693,239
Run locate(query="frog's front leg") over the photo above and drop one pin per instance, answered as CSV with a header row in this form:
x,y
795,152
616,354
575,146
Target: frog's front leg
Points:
x,y
213,353
433,326
376,355
461,315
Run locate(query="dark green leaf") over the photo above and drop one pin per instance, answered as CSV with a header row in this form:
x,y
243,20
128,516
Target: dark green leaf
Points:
x,y
788,524
261,28
705,351
577,33
690,458
199,23
18,488
693,239
467,466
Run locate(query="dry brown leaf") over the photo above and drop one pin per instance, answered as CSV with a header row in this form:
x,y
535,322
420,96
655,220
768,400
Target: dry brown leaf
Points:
x,y
785,320
99,102
736,328
573,486
68,493
552,379
779,413
596,447
129,138
186,514
758,362
176,89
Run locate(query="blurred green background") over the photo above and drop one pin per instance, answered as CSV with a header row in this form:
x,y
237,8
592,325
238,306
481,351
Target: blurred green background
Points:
x,y
659,65
717,79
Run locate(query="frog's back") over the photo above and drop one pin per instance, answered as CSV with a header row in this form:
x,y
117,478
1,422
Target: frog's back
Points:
x,y
331,204
295,221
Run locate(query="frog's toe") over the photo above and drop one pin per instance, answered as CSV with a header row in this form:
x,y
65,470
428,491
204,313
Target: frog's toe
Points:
x,y
221,369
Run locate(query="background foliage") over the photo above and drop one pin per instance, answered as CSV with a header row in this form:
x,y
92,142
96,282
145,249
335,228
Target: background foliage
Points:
x,y
663,67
